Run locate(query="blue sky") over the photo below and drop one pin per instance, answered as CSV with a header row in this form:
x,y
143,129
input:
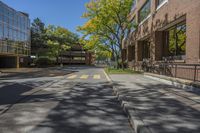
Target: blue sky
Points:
x,y
65,13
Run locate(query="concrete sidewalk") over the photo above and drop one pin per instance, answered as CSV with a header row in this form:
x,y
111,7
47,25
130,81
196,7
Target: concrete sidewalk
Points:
x,y
155,107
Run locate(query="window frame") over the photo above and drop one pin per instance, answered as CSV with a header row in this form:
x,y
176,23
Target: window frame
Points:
x,y
159,5
176,56
146,47
139,13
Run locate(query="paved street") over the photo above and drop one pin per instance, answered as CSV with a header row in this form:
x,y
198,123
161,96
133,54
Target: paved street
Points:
x,y
68,100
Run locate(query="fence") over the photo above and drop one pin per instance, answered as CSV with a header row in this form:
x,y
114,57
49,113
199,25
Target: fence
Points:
x,y
183,71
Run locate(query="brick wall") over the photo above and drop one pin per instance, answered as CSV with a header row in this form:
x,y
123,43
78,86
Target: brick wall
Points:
x,y
171,13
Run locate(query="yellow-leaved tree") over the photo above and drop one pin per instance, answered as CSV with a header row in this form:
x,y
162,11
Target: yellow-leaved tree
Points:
x,y
108,21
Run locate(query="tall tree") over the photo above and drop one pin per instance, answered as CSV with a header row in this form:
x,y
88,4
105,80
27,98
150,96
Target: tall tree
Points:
x,y
97,46
59,40
38,41
108,19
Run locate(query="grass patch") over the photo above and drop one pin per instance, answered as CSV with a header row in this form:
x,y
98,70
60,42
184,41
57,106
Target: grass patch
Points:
x,y
120,71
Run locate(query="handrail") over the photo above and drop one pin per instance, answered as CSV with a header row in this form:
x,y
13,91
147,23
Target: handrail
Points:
x,y
184,71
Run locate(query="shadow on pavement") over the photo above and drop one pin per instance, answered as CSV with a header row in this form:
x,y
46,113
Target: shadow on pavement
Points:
x,y
160,111
46,72
10,92
84,108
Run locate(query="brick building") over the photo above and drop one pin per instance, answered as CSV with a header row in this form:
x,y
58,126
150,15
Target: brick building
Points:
x,y
157,21
166,30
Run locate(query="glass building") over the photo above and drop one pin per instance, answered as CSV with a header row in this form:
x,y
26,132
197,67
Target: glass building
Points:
x,y
14,35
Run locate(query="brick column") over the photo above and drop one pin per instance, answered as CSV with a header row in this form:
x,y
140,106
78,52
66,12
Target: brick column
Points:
x,y
193,36
139,51
159,44
129,52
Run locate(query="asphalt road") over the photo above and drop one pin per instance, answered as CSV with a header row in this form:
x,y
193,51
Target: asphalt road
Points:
x,y
77,100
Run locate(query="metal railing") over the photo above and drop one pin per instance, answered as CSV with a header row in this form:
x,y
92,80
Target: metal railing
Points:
x,y
182,71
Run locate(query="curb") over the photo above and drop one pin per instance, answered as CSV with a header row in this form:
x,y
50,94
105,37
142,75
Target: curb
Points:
x,y
136,122
179,83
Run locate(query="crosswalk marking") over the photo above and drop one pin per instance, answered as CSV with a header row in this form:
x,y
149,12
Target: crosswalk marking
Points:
x,y
84,76
96,76
72,77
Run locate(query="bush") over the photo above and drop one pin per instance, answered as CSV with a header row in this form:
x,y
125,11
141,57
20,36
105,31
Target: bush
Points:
x,y
44,62
125,65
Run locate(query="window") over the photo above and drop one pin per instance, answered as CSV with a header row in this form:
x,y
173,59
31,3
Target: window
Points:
x,y
131,53
145,11
10,34
5,11
146,50
1,31
160,3
1,8
5,31
177,40
134,25
1,18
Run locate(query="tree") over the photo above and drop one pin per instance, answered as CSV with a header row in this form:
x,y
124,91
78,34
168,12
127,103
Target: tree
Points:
x,y
38,41
59,39
108,19
95,45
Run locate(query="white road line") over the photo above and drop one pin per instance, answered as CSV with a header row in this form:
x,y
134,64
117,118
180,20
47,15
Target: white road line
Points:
x,y
107,77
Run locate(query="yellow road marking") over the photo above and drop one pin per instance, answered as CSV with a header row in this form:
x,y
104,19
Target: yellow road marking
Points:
x,y
84,76
96,76
72,76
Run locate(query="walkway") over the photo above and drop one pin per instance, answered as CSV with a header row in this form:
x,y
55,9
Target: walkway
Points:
x,y
155,107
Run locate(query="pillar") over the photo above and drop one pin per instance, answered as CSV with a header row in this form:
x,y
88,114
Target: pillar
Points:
x,y
17,61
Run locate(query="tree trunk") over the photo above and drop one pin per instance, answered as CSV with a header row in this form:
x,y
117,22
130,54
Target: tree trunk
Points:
x,y
113,56
116,60
121,56
57,60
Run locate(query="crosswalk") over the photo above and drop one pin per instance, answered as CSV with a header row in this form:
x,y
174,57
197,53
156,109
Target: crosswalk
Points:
x,y
96,76
72,77
84,76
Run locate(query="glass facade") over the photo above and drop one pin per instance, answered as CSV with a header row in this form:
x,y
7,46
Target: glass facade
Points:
x,y
14,31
